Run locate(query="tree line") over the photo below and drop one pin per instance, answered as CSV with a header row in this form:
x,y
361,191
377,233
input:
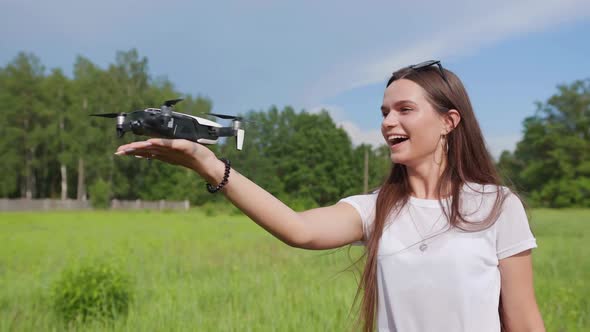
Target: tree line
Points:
x,y
52,148
551,163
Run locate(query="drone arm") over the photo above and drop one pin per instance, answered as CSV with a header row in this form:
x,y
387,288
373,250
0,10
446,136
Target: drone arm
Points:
x,y
232,131
225,131
122,128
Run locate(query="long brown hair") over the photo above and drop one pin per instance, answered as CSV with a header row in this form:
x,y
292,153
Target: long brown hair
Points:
x,y
468,160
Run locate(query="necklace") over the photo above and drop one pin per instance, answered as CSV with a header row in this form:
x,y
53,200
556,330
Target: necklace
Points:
x,y
423,245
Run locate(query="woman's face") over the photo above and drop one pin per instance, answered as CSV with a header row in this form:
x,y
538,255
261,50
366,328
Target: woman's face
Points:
x,y
411,126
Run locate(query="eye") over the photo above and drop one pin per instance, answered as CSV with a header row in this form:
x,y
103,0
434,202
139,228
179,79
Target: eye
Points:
x,y
384,114
406,109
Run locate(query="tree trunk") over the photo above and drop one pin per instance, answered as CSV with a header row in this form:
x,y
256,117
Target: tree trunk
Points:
x,y
30,175
62,168
81,192
81,184
64,182
23,188
24,176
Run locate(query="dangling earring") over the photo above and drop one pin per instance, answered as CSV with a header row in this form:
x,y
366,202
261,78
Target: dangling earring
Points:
x,y
445,150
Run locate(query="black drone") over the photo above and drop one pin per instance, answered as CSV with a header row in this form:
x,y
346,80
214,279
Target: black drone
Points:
x,y
163,122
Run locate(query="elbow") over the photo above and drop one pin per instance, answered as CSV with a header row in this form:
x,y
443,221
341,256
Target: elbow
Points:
x,y
300,238
299,242
295,244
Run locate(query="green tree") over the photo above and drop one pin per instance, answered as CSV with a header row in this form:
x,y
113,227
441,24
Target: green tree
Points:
x,y
21,95
552,161
379,165
58,157
256,160
300,157
53,148
88,134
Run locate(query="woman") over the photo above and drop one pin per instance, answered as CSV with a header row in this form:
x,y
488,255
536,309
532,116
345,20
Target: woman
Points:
x,y
444,241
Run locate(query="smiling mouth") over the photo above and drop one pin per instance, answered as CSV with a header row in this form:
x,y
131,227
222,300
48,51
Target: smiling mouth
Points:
x,y
393,141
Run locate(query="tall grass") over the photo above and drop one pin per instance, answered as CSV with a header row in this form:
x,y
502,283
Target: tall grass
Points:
x,y
199,272
562,268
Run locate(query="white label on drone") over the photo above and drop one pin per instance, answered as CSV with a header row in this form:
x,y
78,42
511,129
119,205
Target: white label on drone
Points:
x,y
171,123
200,120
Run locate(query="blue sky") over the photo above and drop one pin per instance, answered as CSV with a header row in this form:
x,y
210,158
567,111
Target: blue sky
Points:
x,y
329,54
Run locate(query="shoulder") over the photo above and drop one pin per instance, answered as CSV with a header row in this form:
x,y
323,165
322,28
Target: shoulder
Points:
x,y
498,202
472,188
364,204
362,200
488,192
481,200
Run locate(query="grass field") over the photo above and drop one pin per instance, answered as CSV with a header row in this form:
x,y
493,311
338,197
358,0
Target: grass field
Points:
x,y
194,272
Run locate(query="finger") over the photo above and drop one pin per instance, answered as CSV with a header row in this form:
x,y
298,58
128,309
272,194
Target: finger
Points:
x,y
125,149
161,142
147,155
139,145
164,154
144,154
163,150
148,149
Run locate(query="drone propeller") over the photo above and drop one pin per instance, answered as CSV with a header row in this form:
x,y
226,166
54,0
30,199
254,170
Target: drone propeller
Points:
x,y
248,123
228,117
109,115
172,102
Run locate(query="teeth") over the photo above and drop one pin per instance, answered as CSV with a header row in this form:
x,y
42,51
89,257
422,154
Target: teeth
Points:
x,y
392,137
395,139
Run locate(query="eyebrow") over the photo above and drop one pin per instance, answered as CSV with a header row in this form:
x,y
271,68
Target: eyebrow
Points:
x,y
397,103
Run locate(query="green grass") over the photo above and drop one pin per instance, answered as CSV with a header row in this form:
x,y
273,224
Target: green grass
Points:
x,y
562,268
194,272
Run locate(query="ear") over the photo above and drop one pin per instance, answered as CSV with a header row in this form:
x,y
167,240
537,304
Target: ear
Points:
x,y
450,120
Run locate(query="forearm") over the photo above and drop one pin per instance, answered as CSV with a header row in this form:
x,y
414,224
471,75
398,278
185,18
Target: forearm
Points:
x,y
262,207
321,228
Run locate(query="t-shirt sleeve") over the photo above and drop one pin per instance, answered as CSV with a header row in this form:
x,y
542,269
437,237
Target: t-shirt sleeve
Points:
x,y
513,233
365,206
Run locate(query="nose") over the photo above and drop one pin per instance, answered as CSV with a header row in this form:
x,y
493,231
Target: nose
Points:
x,y
390,120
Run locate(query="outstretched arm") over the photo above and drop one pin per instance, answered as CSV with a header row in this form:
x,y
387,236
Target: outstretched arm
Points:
x,y
321,228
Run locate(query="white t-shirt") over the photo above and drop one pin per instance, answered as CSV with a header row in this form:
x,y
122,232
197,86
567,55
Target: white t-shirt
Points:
x,y
452,283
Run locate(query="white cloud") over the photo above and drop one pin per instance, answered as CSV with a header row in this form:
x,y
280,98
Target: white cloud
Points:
x,y
359,136
337,113
470,29
475,28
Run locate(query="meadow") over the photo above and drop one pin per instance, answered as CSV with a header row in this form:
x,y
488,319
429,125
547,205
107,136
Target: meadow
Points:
x,y
197,271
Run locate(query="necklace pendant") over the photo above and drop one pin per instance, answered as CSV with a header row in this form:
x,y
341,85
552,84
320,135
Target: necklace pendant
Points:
x,y
423,247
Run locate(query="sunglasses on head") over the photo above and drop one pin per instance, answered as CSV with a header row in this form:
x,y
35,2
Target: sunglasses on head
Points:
x,y
424,65
429,63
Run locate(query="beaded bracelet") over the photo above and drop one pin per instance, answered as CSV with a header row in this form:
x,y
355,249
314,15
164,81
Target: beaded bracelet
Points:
x,y
223,182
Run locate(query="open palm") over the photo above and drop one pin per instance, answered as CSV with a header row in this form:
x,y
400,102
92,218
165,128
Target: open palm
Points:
x,y
173,151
